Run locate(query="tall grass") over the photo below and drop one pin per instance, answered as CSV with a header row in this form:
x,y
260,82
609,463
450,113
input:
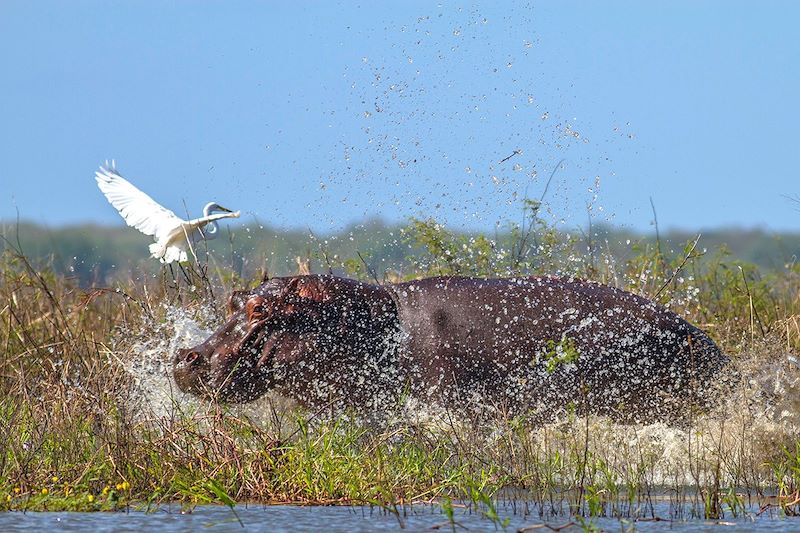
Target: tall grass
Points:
x,y
74,433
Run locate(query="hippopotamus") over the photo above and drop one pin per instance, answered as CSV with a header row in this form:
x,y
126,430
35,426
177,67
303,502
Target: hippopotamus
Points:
x,y
525,345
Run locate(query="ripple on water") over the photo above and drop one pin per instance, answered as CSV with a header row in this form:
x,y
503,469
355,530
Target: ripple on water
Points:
x,y
292,519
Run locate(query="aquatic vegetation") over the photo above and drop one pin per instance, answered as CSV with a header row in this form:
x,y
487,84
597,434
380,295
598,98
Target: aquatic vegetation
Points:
x,y
89,419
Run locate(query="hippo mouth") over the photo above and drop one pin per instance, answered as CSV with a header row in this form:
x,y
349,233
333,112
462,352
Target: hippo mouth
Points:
x,y
252,371
231,374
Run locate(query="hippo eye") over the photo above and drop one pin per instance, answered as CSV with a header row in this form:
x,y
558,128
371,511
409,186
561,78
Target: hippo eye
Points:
x,y
255,308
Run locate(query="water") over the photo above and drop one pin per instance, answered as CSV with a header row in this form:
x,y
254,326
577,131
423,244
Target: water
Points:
x,y
283,518
154,394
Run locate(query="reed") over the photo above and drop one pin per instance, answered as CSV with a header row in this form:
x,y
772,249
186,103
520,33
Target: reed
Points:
x,y
76,434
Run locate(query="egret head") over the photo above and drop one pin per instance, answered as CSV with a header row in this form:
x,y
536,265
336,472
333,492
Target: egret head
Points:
x,y
214,206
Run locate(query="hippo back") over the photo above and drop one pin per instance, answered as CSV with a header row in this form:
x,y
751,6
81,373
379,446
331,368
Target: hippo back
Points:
x,y
550,345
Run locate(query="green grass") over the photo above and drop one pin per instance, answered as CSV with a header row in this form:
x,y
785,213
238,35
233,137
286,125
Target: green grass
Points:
x,y
71,438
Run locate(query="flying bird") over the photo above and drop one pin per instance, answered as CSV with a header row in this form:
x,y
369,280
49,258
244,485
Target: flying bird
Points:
x,y
174,236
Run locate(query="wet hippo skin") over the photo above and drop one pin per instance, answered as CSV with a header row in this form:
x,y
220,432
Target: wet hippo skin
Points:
x,y
536,346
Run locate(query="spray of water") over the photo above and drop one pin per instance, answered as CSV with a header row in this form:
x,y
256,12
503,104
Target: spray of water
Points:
x,y
153,394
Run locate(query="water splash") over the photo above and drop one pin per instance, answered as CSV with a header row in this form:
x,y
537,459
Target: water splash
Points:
x,y
154,395
153,392
757,420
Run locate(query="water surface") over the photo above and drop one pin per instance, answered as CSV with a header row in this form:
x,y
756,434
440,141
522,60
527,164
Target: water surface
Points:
x,y
284,518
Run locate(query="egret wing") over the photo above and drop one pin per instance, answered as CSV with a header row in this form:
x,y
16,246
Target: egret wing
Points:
x,y
136,207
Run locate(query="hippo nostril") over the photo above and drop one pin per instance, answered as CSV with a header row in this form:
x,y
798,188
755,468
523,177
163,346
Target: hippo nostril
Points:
x,y
187,356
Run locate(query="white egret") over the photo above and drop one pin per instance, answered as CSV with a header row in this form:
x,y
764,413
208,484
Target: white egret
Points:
x,y
174,236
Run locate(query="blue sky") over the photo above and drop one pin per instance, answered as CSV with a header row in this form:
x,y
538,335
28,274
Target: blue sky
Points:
x,y
318,114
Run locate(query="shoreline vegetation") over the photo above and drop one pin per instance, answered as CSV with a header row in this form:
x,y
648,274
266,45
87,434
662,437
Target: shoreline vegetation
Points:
x,y
78,430
95,255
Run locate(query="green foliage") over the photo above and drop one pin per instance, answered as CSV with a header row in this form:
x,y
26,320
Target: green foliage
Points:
x,y
99,256
69,437
532,247
450,254
558,354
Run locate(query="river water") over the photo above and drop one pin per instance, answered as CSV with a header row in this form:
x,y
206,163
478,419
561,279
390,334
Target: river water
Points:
x,y
284,518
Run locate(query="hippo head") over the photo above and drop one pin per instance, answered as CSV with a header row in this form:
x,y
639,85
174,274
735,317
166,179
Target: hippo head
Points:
x,y
287,331
264,334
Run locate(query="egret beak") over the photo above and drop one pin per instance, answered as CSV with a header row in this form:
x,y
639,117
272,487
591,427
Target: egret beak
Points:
x,y
225,209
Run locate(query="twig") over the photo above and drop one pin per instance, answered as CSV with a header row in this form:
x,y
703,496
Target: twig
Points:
x,y
515,152
323,251
680,267
795,501
523,242
655,222
753,310
369,268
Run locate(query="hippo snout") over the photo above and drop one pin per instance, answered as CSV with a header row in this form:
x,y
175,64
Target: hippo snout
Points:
x,y
189,367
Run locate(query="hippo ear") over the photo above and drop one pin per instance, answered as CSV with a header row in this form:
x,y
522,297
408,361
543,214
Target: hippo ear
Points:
x,y
237,300
308,288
